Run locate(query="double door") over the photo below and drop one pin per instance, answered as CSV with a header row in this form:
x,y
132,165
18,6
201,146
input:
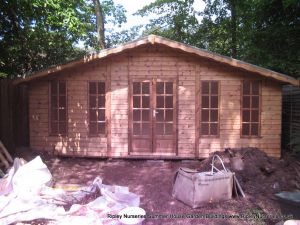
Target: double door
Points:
x,y
152,123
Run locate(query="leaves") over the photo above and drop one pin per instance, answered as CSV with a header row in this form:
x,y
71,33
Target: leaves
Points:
x,y
262,32
37,34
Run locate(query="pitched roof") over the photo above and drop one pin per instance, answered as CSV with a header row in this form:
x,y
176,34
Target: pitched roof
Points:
x,y
153,39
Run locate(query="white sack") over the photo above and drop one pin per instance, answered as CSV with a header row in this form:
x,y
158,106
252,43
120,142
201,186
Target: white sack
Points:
x,y
30,178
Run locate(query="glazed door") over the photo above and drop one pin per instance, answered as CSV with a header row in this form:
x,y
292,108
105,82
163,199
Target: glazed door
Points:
x,y
153,116
141,116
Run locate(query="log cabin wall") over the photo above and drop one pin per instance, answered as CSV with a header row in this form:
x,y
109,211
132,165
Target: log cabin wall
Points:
x,y
230,112
77,142
153,62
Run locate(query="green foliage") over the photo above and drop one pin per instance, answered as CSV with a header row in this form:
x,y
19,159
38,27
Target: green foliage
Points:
x,y
266,32
175,19
37,34
123,36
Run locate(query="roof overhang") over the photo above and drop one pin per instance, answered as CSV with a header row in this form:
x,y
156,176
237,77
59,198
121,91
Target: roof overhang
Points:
x,y
153,39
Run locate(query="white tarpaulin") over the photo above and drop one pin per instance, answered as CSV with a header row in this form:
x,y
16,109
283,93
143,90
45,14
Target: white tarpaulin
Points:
x,y
25,195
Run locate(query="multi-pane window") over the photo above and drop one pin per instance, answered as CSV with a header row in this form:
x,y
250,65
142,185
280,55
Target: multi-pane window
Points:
x,y
164,108
250,108
96,108
209,98
58,108
141,108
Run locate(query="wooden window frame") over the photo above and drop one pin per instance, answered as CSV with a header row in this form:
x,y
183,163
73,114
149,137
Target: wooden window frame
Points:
x,y
97,134
200,108
250,109
58,134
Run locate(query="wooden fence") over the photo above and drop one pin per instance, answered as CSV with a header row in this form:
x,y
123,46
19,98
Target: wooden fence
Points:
x,y
290,115
14,130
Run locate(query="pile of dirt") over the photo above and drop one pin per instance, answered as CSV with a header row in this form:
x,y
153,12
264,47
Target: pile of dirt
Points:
x,y
258,172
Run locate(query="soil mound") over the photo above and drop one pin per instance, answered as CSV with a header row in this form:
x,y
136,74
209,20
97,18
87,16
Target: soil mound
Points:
x,y
257,171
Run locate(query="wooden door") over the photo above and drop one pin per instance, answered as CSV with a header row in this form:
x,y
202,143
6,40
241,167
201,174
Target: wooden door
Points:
x,y
164,121
141,117
153,117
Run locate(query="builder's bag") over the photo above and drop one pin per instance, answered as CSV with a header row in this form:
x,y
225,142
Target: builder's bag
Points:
x,y
195,189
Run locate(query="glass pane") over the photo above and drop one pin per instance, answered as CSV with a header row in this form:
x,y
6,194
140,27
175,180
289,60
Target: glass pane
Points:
x,y
54,102
93,115
169,102
93,103
101,101
246,102
255,88
145,115
146,102
204,129
54,114
93,128
101,115
160,87
136,115
101,128
246,116
146,88
54,88
254,129
136,101
254,116
62,101
255,102
205,87
145,129
159,115
62,88
93,88
214,116
169,88
205,102
54,127
160,102
246,87
101,88
205,115
62,115
214,102
169,115
168,128
214,129
136,129
245,129
136,88
160,128
62,127
214,87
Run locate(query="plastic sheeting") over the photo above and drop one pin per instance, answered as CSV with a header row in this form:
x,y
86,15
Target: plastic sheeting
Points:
x,y
26,194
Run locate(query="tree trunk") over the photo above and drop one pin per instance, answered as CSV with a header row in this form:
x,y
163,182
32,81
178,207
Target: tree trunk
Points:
x,y
233,28
100,24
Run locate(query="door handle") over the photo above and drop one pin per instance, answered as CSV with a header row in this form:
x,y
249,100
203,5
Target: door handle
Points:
x,y
154,113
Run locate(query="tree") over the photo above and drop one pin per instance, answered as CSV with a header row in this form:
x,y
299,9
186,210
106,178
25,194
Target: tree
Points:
x,y
262,32
100,24
176,19
37,34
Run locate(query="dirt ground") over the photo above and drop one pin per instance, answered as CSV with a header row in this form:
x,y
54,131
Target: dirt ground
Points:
x,y
261,177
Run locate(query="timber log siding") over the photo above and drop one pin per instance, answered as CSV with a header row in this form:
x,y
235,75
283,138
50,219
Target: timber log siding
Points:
x,y
169,91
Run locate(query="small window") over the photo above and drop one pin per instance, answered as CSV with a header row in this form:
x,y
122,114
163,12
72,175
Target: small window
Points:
x,y
209,98
250,109
97,108
58,108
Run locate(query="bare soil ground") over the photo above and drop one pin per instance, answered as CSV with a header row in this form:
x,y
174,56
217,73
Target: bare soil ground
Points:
x,y
261,177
